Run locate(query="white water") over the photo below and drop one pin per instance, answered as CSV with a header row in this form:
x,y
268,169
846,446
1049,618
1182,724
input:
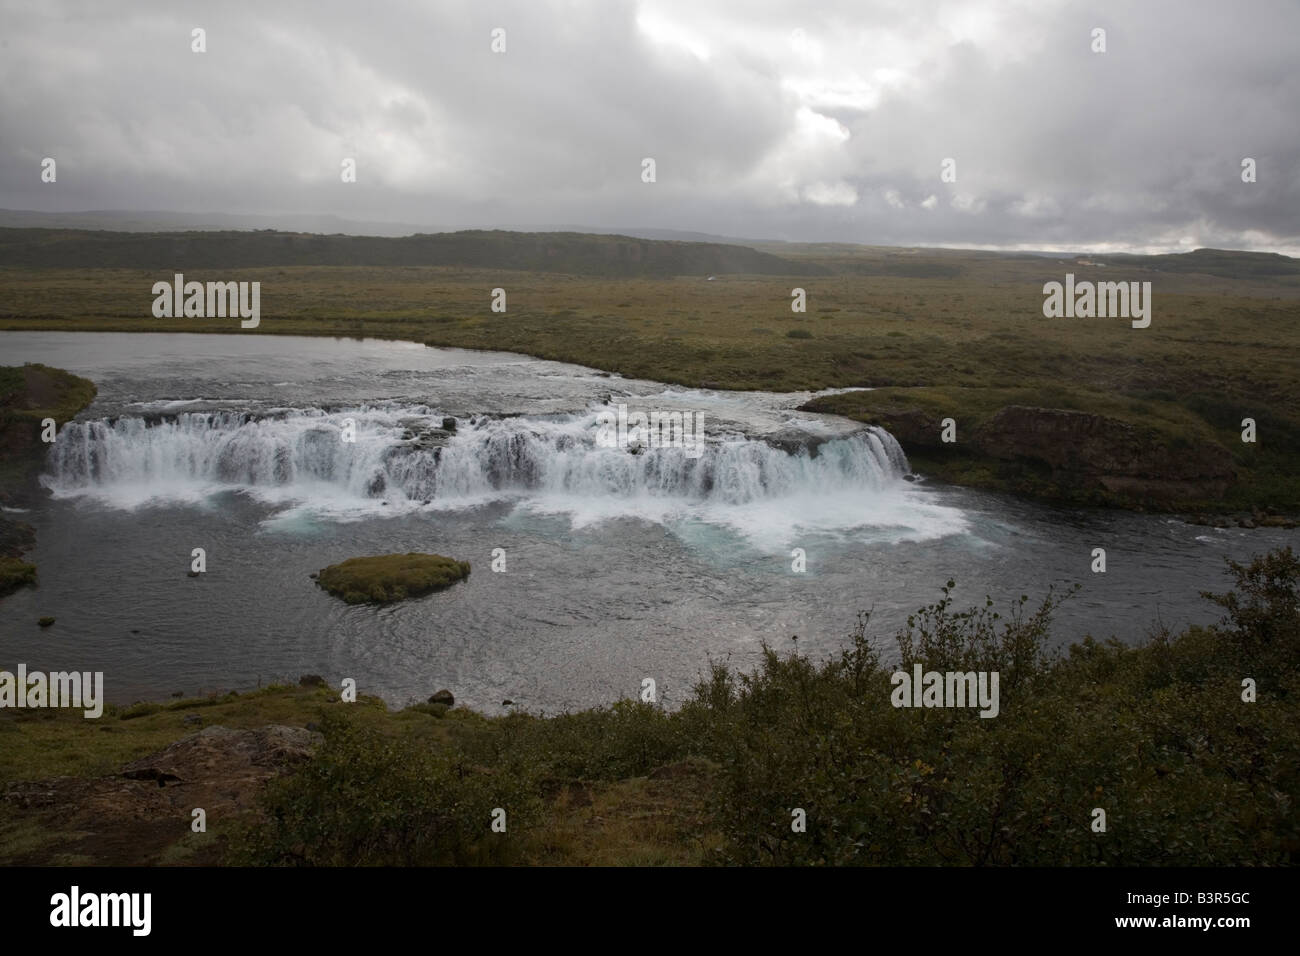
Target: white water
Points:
x,y
620,566
298,458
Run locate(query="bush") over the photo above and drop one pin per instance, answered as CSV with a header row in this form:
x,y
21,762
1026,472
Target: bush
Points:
x,y
367,798
1158,737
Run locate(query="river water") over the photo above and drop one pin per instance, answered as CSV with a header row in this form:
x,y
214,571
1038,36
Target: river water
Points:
x,y
617,566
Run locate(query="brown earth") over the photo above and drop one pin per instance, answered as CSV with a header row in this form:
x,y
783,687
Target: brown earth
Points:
x,y
135,816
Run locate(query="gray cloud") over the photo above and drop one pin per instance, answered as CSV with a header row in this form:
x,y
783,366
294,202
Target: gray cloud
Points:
x,y
765,119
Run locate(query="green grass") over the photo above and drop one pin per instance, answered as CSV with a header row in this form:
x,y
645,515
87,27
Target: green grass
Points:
x,y
1220,347
15,574
391,577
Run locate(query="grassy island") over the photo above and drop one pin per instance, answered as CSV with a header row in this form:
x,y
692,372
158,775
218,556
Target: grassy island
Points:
x,y
391,577
29,395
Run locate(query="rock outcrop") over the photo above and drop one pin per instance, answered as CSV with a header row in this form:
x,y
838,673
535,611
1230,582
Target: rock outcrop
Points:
x,y
1085,449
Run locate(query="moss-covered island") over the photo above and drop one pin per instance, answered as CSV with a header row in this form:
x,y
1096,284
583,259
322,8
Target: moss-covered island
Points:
x,y
29,395
391,577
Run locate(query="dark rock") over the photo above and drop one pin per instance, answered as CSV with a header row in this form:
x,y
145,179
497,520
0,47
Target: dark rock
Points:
x,y
45,621
792,442
443,696
422,435
152,773
193,574
193,719
1096,451
311,680
507,702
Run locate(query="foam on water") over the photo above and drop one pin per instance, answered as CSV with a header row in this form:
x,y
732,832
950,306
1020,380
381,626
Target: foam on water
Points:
x,y
401,460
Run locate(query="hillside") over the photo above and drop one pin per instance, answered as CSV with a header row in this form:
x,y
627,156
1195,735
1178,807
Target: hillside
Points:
x,y
565,253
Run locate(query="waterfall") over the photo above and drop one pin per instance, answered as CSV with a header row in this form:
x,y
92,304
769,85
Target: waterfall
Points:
x,y
401,453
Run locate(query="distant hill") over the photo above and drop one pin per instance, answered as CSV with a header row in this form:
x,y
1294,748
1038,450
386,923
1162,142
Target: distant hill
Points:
x,y
1214,262
556,252
136,220
155,220
652,253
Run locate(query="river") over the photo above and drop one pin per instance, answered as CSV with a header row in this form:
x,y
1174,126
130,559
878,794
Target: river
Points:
x,y
617,566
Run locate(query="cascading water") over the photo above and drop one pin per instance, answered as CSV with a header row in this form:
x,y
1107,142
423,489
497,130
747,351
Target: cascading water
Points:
x,y
401,455
614,565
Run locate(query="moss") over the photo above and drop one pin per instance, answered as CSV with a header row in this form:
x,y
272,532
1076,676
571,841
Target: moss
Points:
x,y
914,416
15,574
391,577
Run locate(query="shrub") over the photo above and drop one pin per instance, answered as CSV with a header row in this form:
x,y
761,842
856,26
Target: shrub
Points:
x,y
367,798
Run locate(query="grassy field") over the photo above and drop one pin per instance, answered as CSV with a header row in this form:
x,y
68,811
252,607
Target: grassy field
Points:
x,y
965,326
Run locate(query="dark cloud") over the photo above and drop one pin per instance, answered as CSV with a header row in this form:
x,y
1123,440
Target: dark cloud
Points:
x,y
765,119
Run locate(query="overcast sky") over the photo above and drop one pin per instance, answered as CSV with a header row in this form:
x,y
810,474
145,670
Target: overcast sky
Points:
x,y
814,121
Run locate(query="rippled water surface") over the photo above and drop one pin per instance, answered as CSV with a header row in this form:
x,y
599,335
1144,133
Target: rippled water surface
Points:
x,y
617,566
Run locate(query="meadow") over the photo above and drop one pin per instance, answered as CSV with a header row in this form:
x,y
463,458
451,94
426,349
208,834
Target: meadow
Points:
x,y
942,332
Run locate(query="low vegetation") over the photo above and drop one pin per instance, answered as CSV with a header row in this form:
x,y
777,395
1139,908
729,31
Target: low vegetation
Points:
x,y
1190,744
29,395
391,577
957,330
14,574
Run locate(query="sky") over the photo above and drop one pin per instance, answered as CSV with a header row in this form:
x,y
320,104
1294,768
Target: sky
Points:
x,y
825,121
